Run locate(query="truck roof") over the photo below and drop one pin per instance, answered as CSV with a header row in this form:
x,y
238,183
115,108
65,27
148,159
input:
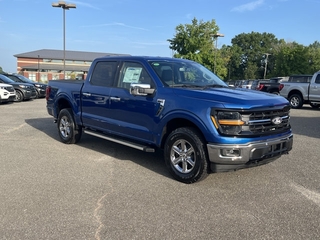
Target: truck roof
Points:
x,y
146,58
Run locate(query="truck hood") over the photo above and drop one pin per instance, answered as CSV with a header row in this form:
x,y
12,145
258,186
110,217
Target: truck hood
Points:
x,y
234,97
5,85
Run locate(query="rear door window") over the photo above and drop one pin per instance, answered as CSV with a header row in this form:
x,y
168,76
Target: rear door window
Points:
x,y
104,74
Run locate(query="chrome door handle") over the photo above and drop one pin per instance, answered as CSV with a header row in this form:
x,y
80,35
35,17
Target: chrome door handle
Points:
x,y
115,99
86,94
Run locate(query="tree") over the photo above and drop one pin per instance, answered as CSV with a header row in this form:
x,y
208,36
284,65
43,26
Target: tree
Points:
x,y
252,49
291,58
1,71
314,57
195,42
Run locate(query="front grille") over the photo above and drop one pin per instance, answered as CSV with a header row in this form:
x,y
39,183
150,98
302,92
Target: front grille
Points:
x,y
266,122
272,151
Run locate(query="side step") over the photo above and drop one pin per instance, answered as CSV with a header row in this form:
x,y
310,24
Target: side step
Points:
x,y
120,141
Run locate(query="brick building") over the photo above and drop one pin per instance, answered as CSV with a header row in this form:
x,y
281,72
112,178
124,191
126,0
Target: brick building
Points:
x,y
47,64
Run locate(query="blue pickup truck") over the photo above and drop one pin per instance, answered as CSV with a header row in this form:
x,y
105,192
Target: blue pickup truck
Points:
x,y
174,105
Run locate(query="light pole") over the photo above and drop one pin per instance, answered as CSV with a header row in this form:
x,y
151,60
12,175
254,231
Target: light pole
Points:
x,y
265,66
65,6
215,36
38,68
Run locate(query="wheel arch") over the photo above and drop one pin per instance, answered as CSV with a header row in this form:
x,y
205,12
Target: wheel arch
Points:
x,y
182,121
295,92
63,101
60,104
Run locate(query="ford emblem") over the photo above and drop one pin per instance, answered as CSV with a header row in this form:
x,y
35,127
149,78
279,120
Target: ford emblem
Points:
x,y
276,120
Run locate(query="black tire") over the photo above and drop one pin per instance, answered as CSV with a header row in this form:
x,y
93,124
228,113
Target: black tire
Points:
x,y
37,95
185,155
19,96
315,105
68,131
296,101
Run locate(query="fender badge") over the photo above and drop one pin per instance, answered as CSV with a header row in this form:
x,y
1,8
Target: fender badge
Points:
x,y
276,120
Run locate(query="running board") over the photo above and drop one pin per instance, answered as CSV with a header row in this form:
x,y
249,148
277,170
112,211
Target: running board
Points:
x,y
120,141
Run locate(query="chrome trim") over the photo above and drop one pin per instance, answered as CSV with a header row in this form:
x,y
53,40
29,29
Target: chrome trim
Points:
x,y
251,151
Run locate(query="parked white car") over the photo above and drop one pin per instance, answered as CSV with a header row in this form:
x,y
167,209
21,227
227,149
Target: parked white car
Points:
x,y
7,93
247,84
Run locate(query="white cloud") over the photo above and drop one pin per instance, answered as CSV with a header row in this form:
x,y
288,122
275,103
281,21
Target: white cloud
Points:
x,y
127,26
189,16
84,4
155,43
116,24
248,7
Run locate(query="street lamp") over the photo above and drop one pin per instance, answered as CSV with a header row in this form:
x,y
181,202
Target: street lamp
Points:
x,y
38,68
65,6
215,36
265,66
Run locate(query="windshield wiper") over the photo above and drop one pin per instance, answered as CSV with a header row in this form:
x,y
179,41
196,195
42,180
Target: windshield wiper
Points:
x,y
186,86
214,86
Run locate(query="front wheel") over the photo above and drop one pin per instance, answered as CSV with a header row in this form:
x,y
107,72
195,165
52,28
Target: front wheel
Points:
x,y
185,155
37,95
296,101
68,131
19,96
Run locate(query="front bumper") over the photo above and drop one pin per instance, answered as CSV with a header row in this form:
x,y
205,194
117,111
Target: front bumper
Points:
x,y
41,92
27,94
33,93
225,157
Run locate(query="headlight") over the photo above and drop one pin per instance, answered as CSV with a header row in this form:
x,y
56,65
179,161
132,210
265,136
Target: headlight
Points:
x,y
38,85
22,86
229,123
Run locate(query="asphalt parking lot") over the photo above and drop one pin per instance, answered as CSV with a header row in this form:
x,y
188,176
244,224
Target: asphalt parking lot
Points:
x,y
101,190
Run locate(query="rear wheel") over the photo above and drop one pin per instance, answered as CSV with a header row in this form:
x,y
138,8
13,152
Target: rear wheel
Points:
x,y
296,101
68,131
185,155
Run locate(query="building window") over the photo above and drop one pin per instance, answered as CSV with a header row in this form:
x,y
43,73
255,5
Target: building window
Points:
x,y
55,76
32,76
43,78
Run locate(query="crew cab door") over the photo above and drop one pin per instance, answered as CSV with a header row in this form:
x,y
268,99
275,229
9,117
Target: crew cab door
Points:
x,y
133,116
314,89
95,95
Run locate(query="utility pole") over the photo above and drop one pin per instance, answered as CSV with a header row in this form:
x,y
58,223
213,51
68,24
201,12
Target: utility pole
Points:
x,y
38,69
215,39
64,6
265,66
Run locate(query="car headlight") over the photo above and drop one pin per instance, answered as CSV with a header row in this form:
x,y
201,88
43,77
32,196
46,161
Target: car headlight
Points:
x,y
229,123
22,86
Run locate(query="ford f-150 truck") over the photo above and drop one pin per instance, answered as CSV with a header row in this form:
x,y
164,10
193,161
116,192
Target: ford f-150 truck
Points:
x,y
300,89
177,106
268,85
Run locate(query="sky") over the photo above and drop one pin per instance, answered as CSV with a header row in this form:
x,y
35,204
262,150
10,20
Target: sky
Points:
x,y
142,27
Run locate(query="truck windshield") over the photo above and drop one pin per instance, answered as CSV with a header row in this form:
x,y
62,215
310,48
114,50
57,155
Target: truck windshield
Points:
x,y
185,74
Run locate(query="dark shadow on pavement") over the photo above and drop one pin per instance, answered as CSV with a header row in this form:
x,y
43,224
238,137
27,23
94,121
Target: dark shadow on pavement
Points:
x,y
151,161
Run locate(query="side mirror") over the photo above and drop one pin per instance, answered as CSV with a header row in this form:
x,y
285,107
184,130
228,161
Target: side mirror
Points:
x,y
137,89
